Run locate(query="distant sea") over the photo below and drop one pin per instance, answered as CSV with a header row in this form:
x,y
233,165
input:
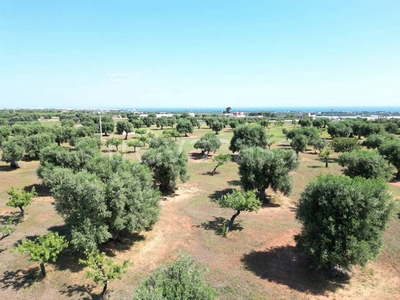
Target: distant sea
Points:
x,y
311,109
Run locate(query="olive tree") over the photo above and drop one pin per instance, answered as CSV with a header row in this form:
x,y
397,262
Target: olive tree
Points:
x,y
365,163
167,164
344,144
184,126
390,149
248,136
13,151
108,198
124,126
343,219
208,142
260,169
180,279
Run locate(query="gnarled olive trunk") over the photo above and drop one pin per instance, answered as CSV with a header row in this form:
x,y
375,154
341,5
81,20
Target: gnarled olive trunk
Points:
x,y
326,161
15,164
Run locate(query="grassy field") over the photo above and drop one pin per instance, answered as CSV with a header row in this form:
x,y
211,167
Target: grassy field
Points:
x,y
258,259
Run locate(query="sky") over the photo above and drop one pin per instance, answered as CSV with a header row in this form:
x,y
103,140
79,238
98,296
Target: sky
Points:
x,y
186,54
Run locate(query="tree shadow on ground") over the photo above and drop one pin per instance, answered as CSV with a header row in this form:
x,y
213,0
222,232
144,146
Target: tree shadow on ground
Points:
x,y
316,167
20,279
80,291
7,168
286,265
234,182
210,173
218,194
218,222
197,156
69,260
41,189
61,230
13,218
124,243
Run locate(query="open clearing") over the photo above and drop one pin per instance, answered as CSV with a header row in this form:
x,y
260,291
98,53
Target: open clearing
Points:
x,y
258,259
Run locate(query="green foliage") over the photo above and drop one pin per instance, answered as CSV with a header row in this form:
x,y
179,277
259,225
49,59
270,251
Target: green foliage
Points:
x,y
365,163
260,169
374,141
20,199
343,219
319,144
124,126
344,144
306,122
43,249
248,136
184,126
208,143
220,160
135,143
339,130
240,200
7,227
181,279
299,143
390,149
167,164
5,131
171,133
13,149
141,131
103,269
217,127
35,143
114,142
110,197
107,125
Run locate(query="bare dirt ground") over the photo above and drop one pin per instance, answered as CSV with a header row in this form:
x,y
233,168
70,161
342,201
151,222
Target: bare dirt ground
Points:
x,y
257,260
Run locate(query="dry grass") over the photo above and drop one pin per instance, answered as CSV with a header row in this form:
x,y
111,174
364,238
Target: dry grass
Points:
x,y
257,260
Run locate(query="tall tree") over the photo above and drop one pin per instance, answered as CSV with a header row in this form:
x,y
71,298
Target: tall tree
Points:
x,y
260,169
343,219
